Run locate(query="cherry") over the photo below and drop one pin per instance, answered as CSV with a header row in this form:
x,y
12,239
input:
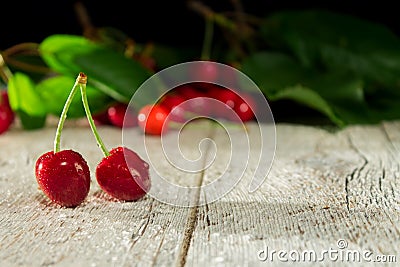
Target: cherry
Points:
x,y
196,95
6,113
121,115
245,107
152,119
226,96
64,177
101,118
172,102
121,173
188,91
4,97
114,176
229,100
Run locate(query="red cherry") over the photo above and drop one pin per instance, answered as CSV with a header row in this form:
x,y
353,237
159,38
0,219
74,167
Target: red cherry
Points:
x,y
203,86
228,99
226,96
121,115
187,91
4,97
123,174
197,103
7,115
212,89
64,177
172,102
245,107
152,119
203,71
101,118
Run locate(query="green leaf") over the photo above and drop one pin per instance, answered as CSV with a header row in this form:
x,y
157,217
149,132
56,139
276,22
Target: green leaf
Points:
x,y
274,71
55,90
337,95
23,96
345,95
59,52
113,73
309,98
29,122
108,70
337,41
26,102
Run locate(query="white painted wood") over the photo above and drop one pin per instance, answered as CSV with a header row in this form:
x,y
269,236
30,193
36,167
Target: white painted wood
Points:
x,y
323,186
101,231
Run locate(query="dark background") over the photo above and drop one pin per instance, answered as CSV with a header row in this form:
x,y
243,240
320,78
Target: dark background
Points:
x,y
169,22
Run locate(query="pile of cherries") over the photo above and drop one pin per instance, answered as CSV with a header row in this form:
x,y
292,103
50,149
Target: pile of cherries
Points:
x,y
180,105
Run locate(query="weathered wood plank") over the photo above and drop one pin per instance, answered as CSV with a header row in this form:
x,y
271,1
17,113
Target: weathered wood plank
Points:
x,y
323,187
101,231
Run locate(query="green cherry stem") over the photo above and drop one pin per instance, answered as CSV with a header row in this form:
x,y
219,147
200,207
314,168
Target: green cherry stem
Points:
x,y
207,42
82,85
63,116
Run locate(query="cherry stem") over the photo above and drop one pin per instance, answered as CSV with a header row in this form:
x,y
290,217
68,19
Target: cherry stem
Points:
x,y
63,116
207,42
90,118
5,72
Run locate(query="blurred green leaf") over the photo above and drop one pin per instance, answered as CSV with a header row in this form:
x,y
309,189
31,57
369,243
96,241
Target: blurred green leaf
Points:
x,y
309,98
107,70
274,71
324,39
26,102
338,95
60,51
54,92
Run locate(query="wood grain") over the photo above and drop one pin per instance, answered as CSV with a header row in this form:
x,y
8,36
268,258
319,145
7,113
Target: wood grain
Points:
x,y
323,186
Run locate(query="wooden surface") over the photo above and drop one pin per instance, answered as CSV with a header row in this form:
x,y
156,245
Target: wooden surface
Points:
x,y
323,187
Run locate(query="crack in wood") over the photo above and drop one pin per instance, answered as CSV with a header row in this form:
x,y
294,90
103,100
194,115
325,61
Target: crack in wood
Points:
x,y
191,222
159,248
346,189
207,217
355,174
382,177
139,233
388,138
143,227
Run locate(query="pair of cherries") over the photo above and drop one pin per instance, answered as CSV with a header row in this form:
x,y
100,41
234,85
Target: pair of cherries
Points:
x,y
64,175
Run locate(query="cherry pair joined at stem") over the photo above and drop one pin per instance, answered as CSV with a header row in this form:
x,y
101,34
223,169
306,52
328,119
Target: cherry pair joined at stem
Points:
x,y
64,176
